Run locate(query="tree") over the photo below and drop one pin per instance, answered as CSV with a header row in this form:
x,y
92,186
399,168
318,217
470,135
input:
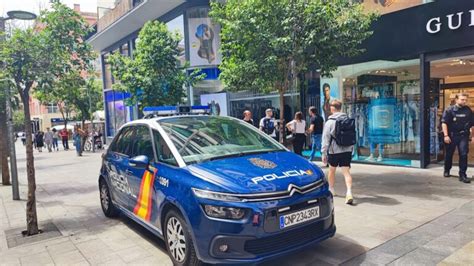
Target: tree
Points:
x,y
62,93
38,58
266,44
88,99
3,136
154,76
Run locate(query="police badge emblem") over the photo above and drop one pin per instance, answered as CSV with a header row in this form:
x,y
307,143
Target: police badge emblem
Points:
x,y
265,164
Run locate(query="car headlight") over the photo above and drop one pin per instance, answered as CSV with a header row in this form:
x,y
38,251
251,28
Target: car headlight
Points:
x,y
219,196
224,212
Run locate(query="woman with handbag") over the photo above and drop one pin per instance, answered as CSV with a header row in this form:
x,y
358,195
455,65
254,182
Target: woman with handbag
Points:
x,y
298,128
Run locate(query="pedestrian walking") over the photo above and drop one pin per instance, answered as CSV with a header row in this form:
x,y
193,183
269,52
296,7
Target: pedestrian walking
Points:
x,y
65,138
77,138
458,124
338,141
298,129
316,130
48,139
55,139
248,117
23,138
39,140
268,124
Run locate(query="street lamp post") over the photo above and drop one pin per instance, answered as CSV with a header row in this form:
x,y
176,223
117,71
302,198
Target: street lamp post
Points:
x,y
23,15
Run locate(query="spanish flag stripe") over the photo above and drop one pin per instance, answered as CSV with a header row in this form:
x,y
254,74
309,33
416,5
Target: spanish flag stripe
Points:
x,y
137,206
144,202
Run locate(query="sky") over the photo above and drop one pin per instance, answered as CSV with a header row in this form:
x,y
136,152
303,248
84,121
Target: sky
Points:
x,y
35,5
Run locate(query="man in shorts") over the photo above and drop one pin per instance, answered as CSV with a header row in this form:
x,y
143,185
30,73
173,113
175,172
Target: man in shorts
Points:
x,y
335,155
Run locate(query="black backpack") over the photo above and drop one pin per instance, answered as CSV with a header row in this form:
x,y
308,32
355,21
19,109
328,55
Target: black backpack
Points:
x,y
345,131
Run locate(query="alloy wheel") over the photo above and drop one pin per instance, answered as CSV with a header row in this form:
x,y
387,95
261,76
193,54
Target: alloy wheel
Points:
x,y
176,239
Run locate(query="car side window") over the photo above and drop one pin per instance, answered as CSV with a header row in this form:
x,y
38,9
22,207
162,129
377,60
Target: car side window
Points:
x,y
117,144
163,151
124,142
142,144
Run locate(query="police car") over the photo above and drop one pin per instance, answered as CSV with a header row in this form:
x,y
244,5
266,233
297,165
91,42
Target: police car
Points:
x,y
216,189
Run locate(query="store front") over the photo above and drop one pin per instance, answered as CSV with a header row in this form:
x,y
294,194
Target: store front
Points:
x,y
415,62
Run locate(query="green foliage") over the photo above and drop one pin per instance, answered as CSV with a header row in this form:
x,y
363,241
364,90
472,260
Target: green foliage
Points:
x,y
88,99
154,76
18,121
265,43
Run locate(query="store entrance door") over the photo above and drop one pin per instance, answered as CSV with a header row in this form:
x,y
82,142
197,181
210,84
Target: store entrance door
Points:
x,y
455,75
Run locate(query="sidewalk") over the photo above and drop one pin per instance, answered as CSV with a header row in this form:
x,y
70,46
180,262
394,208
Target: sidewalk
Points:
x,y
403,216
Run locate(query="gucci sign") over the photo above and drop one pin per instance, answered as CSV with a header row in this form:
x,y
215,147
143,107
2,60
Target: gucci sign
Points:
x,y
454,21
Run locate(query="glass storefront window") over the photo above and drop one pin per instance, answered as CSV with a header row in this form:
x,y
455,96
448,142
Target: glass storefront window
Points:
x,y
177,25
124,50
384,99
107,72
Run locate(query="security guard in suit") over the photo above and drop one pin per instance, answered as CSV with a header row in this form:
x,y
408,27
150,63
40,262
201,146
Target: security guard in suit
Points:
x,y
458,124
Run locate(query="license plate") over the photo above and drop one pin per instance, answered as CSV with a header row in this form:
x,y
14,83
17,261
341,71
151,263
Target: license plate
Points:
x,y
298,217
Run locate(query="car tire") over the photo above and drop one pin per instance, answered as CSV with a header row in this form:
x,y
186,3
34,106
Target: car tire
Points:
x,y
106,203
176,233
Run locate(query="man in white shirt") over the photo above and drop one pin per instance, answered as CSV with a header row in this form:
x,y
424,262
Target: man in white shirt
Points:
x,y
268,124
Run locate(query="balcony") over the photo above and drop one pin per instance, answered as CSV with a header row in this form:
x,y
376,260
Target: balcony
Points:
x,y
125,17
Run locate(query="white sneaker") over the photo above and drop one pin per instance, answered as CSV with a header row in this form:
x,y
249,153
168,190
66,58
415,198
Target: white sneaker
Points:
x,y
370,158
349,199
379,159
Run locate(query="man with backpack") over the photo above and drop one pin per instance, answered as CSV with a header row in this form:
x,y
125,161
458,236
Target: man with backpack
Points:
x,y
339,137
268,124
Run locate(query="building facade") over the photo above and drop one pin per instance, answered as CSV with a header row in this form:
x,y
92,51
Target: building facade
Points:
x,y
420,55
417,59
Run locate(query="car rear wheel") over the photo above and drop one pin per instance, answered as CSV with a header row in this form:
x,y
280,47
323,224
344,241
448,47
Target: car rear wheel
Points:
x,y
106,203
178,240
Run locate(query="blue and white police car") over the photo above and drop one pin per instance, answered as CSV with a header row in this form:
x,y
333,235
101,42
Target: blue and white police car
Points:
x,y
216,189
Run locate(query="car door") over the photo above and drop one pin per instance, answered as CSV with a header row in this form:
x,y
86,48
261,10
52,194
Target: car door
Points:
x,y
142,180
116,160
167,172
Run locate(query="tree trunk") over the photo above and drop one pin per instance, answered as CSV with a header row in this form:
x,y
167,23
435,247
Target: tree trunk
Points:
x,y
3,146
282,115
31,216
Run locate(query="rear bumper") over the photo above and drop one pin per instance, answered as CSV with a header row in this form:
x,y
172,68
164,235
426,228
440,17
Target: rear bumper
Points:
x,y
250,249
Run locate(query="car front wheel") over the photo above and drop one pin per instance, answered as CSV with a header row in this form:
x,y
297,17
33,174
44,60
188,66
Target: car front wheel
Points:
x,y
106,203
178,240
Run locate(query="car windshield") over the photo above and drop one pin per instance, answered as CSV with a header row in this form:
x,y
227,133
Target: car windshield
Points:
x,y
205,138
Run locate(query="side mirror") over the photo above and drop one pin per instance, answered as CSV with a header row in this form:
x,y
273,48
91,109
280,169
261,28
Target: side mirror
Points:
x,y
140,161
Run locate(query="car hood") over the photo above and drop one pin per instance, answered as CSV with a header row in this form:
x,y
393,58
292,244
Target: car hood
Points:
x,y
267,172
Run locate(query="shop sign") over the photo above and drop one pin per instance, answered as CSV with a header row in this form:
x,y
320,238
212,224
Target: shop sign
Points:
x,y
454,21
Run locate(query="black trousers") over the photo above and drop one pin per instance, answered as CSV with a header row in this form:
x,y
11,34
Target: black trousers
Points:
x,y
462,143
66,144
298,143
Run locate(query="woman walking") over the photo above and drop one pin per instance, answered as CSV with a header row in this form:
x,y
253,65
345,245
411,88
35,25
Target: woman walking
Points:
x,y
77,137
39,141
48,139
55,140
298,128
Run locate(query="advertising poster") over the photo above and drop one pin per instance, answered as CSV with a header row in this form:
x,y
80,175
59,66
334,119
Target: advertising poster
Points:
x,y
217,102
204,42
329,92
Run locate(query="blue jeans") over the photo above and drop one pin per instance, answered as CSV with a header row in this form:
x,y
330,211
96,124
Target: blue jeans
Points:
x,y
77,143
315,145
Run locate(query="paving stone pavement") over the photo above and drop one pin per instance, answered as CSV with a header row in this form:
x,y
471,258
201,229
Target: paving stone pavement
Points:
x,y
402,216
